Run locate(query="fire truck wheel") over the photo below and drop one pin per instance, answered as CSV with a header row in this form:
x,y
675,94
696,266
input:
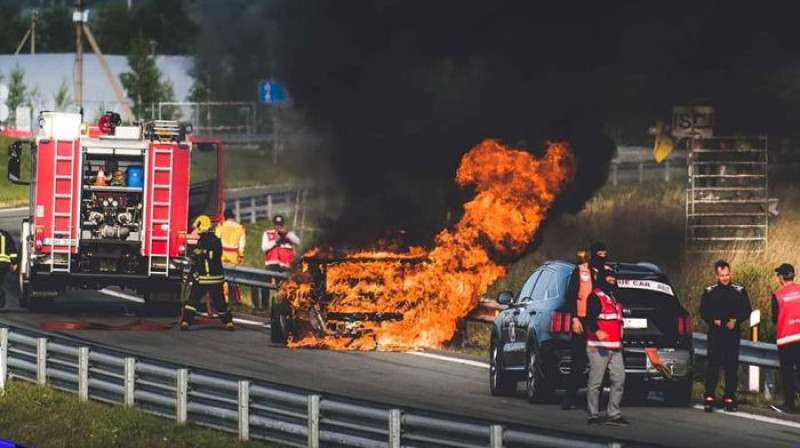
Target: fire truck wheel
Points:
x,y
279,324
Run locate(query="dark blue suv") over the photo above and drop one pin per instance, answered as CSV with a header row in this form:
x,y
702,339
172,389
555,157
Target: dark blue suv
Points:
x,y
531,337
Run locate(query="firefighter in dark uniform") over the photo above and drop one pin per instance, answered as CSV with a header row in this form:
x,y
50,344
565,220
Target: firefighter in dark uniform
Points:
x,y
8,261
723,308
207,275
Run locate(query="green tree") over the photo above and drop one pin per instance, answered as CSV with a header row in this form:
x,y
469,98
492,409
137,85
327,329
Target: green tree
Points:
x,y
62,98
113,26
12,27
17,92
143,83
168,23
55,32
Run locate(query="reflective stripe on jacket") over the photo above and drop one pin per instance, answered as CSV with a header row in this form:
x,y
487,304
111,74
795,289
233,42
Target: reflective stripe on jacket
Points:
x,y
609,321
788,298
8,253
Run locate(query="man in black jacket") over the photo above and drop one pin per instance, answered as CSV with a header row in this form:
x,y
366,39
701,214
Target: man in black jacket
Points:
x,y
207,276
723,307
8,261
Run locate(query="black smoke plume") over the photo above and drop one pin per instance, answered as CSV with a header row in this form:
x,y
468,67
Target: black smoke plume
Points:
x,y
407,87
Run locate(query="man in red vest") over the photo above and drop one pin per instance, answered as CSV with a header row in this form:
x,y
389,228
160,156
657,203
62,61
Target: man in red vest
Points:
x,y
278,244
603,325
786,316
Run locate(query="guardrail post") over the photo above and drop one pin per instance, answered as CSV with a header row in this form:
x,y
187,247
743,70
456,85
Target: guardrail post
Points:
x,y
666,170
269,206
237,210
253,210
130,382
395,427
182,395
3,358
496,436
83,373
641,172
41,361
313,421
244,410
614,173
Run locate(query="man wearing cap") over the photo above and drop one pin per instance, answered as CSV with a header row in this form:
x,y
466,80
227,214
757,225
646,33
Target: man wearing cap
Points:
x,y
723,307
786,316
278,244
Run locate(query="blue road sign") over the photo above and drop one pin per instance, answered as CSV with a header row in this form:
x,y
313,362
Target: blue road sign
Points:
x,y
271,92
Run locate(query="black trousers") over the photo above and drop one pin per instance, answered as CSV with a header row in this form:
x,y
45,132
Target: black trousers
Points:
x,y
4,269
723,352
217,301
577,366
789,356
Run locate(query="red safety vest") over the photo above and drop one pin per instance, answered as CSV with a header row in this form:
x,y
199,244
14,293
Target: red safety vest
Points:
x,y
788,297
281,254
609,320
584,287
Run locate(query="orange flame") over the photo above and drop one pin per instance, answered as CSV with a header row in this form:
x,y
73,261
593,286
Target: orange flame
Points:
x,y
434,290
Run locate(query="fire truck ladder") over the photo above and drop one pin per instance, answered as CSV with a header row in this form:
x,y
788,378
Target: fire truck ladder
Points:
x,y
160,212
61,241
727,203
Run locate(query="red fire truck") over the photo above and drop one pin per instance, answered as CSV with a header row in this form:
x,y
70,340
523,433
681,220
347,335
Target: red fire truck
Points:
x,y
111,205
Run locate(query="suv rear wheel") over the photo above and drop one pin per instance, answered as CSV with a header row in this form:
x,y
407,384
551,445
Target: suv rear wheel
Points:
x,y
539,390
499,381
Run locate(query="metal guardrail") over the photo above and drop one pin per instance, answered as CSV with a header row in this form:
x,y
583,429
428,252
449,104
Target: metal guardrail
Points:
x,y
753,353
251,408
262,202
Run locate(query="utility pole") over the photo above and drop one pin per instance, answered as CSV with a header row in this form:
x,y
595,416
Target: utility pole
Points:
x,y
78,17
34,17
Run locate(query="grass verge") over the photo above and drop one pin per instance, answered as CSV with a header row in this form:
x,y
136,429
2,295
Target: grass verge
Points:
x,y
43,417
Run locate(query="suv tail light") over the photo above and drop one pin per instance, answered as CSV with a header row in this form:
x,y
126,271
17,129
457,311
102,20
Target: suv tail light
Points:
x,y
684,326
560,322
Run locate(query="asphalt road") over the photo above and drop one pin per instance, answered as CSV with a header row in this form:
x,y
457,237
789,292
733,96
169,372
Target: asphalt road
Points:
x,y
402,379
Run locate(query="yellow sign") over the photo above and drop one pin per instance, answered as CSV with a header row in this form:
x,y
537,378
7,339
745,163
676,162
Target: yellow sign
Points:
x,y
664,144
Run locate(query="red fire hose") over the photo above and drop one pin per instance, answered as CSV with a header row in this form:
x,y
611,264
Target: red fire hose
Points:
x,y
134,325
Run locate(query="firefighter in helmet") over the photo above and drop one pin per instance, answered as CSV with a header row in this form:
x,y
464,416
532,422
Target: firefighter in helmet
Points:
x,y
8,261
207,275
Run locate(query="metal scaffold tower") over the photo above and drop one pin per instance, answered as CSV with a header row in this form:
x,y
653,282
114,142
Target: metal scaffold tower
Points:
x,y
727,203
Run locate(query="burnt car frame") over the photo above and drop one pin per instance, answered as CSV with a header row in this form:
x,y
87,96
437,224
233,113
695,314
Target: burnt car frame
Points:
x,y
314,315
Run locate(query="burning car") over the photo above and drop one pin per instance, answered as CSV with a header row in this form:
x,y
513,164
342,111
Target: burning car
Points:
x,y
344,306
414,299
